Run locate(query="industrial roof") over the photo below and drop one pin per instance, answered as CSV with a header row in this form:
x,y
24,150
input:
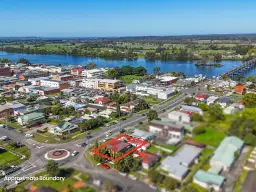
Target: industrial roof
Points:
x,y
209,178
141,134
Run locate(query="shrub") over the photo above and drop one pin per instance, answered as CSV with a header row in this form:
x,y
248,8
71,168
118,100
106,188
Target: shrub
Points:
x,y
198,130
197,117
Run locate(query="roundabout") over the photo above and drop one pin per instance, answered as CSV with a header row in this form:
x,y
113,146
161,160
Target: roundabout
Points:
x,y
57,154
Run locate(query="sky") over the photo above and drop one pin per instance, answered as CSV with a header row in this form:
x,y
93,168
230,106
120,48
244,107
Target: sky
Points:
x,y
102,18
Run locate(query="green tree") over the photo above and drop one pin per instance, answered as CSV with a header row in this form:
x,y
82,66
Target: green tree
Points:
x,y
249,100
197,117
152,114
140,71
156,70
52,168
90,66
5,60
251,79
216,113
218,57
24,61
203,106
112,73
170,184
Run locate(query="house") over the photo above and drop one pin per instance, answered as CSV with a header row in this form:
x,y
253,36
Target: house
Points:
x,y
147,159
211,100
239,89
179,116
118,146
192,109
235,107
5,111
77,71
208,180
32,109
167,129
65,77
64,129
102,100
44,90
144,135
225,155
15,106
224,101
5,71
201,97
31,119
178,165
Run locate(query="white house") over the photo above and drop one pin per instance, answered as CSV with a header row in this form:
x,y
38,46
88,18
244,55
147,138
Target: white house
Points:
x,y
89,83
179,116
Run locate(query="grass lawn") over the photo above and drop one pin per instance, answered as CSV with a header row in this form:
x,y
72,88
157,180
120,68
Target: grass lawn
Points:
x,y
50,138
153,149
210,137
130,78
7,157
66,184
151,100
15,125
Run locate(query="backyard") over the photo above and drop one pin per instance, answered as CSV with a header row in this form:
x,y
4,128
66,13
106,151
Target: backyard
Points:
x,y
210,137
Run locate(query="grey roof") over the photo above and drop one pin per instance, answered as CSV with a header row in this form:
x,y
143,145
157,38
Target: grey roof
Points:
x,y
141,134
177,164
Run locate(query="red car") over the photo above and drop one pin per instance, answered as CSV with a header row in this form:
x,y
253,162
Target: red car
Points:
x,y
105,166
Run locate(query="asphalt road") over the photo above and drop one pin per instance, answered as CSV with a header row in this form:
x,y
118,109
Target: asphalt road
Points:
x,y
37,162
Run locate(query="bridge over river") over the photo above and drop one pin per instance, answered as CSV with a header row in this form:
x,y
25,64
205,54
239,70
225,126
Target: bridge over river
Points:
x,y
240,70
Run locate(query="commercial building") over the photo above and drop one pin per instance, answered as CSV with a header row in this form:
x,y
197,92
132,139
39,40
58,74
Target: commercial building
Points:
x,y
211,100
64,129
89,83
178,165
37,81
108,84
54,84
167,80
93,73
62,77
44,90
225,154
31,119
166,94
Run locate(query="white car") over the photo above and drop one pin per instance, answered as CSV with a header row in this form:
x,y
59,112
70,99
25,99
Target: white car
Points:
x,y
20,181
74,153
2,126
28,135
3,138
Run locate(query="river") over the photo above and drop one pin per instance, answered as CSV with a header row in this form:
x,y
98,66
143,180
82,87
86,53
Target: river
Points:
x,y
187,67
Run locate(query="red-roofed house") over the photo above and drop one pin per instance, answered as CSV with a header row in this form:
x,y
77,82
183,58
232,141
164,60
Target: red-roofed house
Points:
x,y
187,112
239,89
77,71
201,97
147,159
118,146
102,100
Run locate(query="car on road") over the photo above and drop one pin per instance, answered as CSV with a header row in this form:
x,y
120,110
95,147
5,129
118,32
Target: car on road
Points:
x,y
28,135
2,126
4,138
20,181
81,144
105,166
74,153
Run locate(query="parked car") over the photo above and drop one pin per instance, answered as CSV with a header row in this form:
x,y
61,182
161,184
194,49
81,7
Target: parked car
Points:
x,y
20,181
81,144
4,138
105,166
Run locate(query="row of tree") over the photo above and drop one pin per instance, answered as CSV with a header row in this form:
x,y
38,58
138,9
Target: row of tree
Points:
x,y
125,70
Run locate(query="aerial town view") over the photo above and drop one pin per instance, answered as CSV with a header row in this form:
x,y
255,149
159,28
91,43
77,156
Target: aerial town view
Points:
x,y
127,96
